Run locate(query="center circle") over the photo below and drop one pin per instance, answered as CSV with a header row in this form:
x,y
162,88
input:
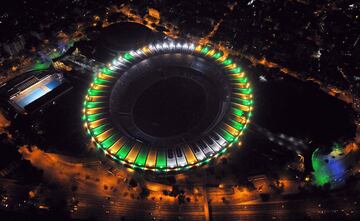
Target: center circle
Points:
x,y
169,99
170,107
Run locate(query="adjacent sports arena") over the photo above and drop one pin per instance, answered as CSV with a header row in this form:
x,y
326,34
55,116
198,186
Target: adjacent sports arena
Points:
x,y
168,106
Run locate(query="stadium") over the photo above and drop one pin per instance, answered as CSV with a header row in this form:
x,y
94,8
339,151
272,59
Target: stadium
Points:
x,y
168,106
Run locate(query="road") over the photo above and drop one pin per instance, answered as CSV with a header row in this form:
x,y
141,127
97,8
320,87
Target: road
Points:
x,y
287,210
91,206
123,206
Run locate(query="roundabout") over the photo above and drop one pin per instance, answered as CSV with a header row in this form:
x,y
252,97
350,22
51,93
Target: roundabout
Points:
x,y
168,106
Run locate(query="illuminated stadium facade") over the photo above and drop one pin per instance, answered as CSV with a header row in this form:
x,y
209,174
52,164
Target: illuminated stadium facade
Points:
x,y
119,119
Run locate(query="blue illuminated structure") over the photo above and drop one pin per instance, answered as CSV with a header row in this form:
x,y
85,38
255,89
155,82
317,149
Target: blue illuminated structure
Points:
x,y
32,89
332,168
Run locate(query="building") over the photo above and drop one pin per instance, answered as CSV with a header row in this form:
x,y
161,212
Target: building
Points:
x,y
334,167
32,90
